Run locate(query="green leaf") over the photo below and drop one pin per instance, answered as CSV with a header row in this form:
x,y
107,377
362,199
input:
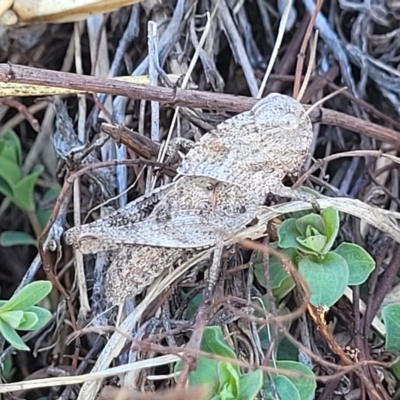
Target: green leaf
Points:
x,y
332,223
265,332
225,393
14,238
5,189
250,384
288,234
311,231
8,368
277,272
305,385
285,388
12,318
228,379
43,317
287,351
315,221
284,289
213,342
9,172
315,243
12,337
43,217
28,296
193,305
44,211
396,370
360,263
10,148
391,318
30,320
205,375
23,190
207,369
327,278
51,194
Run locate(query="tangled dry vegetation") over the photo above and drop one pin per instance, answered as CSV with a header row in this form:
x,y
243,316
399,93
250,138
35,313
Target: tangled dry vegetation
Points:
x,y
64,127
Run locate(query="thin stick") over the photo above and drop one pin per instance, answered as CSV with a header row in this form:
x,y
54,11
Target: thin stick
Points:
x,y
153,72
84,308
187,76
277,46
309,67
185,98
300,57
155,105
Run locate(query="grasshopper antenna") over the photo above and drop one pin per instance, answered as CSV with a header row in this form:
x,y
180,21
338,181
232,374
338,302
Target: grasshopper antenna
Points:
x,y
329,96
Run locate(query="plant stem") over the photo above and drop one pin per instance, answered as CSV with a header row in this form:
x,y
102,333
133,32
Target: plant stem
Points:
x,y
33,219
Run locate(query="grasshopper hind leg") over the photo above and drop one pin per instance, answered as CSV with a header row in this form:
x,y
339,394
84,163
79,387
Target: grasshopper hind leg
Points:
x,y
136,267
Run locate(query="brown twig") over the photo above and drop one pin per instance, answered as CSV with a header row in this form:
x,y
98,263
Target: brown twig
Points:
x,y
178,97
24,111
318,316
301,55
141,145
287,62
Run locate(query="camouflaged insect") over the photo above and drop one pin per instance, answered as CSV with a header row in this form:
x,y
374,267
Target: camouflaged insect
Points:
x,y
227,175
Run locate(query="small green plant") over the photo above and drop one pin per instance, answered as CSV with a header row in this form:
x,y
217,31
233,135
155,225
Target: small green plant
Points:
x,y
391,318
286,359
19,189
15,186
15,238
308,242
20,313
8,369
301,388
223,380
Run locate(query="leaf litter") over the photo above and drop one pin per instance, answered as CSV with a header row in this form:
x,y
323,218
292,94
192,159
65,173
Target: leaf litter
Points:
x,y
357,48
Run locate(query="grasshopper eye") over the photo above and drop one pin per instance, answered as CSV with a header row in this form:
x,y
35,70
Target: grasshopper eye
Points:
x,y
289,121
209,186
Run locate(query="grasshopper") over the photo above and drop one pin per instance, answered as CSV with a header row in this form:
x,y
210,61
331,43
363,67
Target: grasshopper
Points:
x,y
223,179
